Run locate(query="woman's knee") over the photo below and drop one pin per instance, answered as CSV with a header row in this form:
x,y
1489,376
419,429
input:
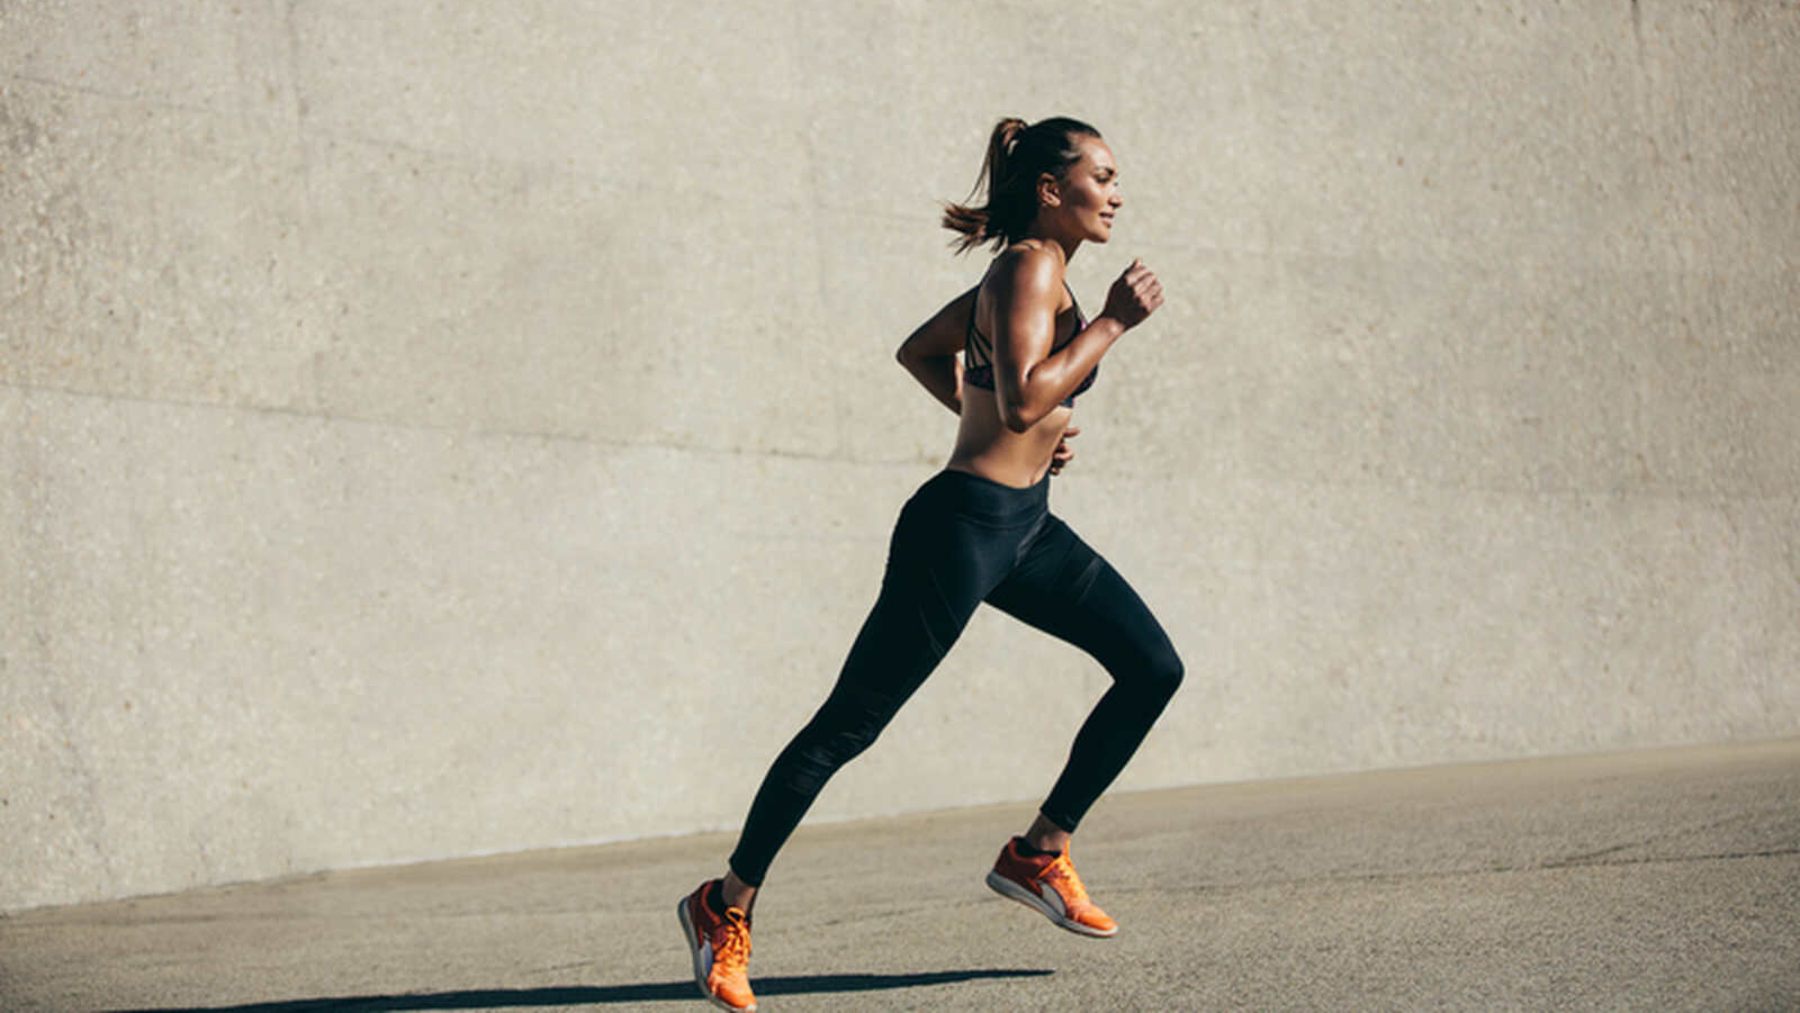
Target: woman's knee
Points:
x,y
1166,670
1156,672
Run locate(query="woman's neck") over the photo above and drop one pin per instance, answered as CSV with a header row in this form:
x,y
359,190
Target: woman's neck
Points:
x,y
1068,246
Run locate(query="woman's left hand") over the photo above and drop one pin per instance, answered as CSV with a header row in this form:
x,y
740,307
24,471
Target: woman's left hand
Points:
x,y
1064,453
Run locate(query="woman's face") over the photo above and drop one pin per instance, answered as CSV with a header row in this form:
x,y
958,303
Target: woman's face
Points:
x,y
1089,192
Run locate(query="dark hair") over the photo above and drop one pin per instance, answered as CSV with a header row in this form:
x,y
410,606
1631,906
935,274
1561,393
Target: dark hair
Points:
x,y
1017,155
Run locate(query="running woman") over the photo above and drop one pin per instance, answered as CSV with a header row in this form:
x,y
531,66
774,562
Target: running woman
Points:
x,y
981,530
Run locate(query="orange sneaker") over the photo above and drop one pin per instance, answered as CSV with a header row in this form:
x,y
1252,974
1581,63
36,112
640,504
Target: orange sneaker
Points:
x,y
721,945
1048,884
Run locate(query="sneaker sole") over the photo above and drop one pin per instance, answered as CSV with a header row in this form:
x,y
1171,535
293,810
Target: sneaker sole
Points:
x,y
690,936
1013,891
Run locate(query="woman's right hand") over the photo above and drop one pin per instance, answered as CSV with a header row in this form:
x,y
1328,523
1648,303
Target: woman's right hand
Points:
x,y
1134,296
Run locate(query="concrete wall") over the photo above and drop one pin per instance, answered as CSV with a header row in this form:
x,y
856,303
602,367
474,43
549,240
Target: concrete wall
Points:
x,y
443,428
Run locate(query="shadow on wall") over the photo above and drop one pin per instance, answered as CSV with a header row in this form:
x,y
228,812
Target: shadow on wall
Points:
x,y
668,991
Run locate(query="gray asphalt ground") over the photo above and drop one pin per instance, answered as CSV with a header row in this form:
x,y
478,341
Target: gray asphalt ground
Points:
x,y
1657,880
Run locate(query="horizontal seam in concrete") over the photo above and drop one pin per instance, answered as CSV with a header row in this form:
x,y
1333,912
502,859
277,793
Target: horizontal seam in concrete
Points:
x,y
1669,835
1721,856
116,96
520,434
1390,486
1403,877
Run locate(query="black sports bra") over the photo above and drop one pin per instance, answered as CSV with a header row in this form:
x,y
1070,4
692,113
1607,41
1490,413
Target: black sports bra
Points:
x,y
978,354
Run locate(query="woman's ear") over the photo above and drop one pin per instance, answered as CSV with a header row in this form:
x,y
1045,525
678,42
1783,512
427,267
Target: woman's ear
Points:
x,y
1049,192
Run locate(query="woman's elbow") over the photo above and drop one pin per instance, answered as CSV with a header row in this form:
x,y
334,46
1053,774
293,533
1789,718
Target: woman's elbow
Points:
x,y
1019,417
908,360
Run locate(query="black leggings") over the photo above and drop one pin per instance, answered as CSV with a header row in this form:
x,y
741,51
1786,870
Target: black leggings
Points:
x,y
961,540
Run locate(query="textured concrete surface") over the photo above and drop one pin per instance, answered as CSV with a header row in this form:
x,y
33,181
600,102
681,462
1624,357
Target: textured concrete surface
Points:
x,y
1665,880
439,429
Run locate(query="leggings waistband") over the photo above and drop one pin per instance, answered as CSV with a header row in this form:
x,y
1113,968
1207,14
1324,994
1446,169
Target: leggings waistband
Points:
x,y
974,494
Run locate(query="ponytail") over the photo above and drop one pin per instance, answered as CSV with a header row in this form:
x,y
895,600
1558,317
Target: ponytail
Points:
x,y
1017,154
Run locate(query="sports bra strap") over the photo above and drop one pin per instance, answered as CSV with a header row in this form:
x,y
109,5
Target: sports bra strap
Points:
x,y
978,358
1074,303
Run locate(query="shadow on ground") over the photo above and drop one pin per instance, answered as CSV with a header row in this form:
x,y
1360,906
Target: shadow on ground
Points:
x,y
667,991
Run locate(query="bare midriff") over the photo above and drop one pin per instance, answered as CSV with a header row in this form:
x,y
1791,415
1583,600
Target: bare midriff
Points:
x,y
985,447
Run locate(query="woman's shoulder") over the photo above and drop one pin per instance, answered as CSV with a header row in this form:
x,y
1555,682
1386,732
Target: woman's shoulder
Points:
x,y
1028,265
1030,254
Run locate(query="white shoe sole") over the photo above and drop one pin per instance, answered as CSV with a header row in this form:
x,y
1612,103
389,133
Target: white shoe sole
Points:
x,y
700,968
1009,889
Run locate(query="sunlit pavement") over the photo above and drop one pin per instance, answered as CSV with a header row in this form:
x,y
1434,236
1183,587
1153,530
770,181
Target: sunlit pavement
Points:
x,y
1665,879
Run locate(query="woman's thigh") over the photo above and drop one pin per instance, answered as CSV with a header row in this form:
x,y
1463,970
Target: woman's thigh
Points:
x,y
1065,588
940,566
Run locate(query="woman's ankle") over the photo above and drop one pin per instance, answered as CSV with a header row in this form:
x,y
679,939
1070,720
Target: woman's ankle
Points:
x,y
1046,836
736,893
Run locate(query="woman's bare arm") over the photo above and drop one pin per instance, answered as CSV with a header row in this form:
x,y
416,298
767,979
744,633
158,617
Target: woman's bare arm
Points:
x,y
929,353
1030,380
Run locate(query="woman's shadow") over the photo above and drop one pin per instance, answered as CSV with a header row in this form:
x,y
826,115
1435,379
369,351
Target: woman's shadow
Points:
x,y
570,995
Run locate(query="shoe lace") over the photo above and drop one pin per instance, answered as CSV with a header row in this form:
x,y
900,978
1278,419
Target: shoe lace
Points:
x,y
731,942
1061,874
